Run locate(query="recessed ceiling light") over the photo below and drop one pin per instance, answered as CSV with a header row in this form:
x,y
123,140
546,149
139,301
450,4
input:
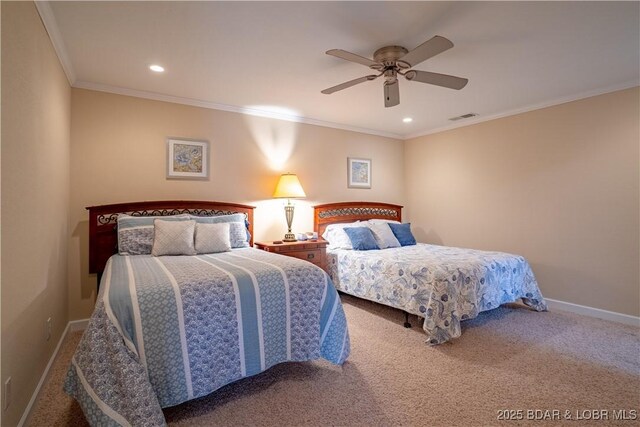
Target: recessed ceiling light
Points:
x,y
156,68
407,120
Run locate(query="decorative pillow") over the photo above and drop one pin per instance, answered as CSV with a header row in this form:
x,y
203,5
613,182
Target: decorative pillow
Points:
x,y
212,238
173,237
135,233
403,233
361,238
337,238
383,234
239,233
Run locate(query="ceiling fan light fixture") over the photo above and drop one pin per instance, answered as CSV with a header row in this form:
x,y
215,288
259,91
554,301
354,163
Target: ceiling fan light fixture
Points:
x,y
390,76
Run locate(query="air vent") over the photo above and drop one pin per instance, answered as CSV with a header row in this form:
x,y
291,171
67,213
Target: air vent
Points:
x,y
464,116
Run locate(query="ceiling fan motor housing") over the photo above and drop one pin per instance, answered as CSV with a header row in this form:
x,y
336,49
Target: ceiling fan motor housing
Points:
x,y
389,57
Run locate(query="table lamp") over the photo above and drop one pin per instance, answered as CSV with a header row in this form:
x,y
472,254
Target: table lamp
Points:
x,y
289,188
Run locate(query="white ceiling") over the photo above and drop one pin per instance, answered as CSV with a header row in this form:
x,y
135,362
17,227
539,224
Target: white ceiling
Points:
x,y
271,55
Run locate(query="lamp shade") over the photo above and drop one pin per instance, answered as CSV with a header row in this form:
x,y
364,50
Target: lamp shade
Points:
x,y
289,187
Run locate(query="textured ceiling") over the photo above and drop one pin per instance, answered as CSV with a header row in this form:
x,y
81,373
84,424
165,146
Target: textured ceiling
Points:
x,y
270,56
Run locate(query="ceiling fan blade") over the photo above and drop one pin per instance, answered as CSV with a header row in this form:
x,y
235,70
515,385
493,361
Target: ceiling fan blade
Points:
x,y
349,84
444,80
426,50
343,54
391,94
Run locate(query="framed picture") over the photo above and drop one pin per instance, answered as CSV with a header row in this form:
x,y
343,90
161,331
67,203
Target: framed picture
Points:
x,y
359,171
187,159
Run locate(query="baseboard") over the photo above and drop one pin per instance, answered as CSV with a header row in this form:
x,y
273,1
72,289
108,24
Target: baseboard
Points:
x,y
593,312
78,325
72,326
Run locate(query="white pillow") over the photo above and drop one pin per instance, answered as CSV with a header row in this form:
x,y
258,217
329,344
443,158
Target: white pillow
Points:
x,y
336,236
383,234
383,221
173,237
212,238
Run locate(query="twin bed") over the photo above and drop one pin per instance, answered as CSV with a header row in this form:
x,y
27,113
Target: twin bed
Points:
x,y
167,329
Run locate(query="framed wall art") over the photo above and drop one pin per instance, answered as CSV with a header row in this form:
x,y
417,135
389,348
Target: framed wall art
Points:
x,y
359,173
187,159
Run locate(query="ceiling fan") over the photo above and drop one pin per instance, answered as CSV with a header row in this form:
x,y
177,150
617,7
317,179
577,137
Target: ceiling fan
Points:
x,y
393,60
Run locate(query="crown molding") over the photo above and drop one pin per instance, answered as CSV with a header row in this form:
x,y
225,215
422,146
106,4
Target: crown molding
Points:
x,y
231,108
51,25
532,107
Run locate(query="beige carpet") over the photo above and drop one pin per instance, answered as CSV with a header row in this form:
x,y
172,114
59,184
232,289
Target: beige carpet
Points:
x,y
508,359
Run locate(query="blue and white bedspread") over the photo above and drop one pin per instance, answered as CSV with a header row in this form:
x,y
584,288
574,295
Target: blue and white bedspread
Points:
x,y
169,329
444,285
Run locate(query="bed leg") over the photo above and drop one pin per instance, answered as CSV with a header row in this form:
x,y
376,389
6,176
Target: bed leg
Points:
x,y
406,320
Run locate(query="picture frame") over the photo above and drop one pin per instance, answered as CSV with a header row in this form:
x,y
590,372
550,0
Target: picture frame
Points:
x,y
359,172
187,159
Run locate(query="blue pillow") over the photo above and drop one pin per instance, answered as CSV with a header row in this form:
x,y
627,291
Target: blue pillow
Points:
x,y
403,233
361,238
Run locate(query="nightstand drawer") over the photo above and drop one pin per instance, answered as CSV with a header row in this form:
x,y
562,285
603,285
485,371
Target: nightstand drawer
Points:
x,y
298,247
311,255
311,251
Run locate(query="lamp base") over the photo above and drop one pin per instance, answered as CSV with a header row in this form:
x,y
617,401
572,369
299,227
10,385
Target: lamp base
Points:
x,y
289,237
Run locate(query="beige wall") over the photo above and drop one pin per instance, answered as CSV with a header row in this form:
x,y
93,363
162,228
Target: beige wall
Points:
x,y
35,200
558,185
118,154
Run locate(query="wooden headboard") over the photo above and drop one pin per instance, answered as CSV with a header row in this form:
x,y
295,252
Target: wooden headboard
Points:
x,y
103,230
333,213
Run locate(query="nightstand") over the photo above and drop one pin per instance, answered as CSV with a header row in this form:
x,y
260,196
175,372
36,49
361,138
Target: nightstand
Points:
x,y
314,251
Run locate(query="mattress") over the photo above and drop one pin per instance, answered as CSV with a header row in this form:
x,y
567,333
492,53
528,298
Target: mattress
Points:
x,y
444,285
169,329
